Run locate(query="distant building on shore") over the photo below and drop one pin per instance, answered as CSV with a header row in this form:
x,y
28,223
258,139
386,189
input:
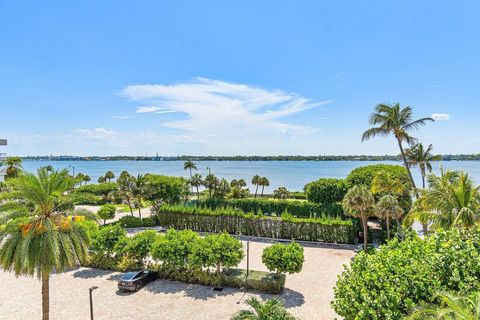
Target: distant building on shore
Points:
x,y
3,157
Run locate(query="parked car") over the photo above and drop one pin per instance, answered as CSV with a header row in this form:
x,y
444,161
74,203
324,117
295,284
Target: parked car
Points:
x,y
134,280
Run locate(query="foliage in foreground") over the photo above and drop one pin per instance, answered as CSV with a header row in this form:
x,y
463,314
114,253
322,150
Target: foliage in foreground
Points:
x,y
401,275
269,310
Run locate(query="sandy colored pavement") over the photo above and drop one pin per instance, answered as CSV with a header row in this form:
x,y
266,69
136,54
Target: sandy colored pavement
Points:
x,y
307,295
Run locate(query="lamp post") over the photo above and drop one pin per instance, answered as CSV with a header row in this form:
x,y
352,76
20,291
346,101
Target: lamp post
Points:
x,y
73,169
90,290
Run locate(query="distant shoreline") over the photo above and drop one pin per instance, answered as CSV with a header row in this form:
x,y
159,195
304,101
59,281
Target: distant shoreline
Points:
x,y
460,157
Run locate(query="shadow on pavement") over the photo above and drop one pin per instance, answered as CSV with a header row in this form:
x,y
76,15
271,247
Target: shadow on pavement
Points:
x,y
87,273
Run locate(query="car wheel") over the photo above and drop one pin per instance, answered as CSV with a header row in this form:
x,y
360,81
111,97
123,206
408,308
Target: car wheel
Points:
x,y
138,286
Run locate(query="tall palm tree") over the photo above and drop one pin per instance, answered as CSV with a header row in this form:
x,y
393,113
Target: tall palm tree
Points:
x,y
109,175
452,200
269,310
421,157
139,190
256,182
211,182
388,208
86,179
196,181
360,203
281,193
101,179
190,165
264,182
392,119
451,307
48,241
125,186
14,166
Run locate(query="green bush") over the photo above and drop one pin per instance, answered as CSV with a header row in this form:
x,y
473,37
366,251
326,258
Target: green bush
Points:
x,y
135,222
107,212
284,258
217,250
235,222
299,209
326,190
86,198
174,247
140,245
165,189
101,189
401,275
90,227
364,175
105,241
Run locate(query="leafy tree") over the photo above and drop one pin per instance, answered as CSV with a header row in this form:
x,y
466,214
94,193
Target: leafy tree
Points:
x,y
284,258
423,158
269,310
388,208
237,189
164,189
196,181
109,175
140,245
86,178
105,241
326,190
211,183
45,241
125,184
451,307
101,179
139,191
392,119
107,212
217,250
14,166
174,248
359,203
256,182
281,193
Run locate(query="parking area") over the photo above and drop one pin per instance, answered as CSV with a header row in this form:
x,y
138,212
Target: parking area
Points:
x,y
307,295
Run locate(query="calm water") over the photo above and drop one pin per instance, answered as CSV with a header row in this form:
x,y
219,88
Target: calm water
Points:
x,y
290,174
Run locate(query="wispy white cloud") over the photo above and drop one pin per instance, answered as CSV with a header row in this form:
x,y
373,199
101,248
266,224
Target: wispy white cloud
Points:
x,y
121,117
219,108
440,116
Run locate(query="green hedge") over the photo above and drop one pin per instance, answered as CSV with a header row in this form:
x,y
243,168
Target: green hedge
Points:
x,y
326,190
236,278
300,209
235,222
86,198
364,175
101,189
134,222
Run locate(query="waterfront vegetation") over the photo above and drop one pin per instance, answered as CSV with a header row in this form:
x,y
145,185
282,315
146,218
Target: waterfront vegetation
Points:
x,y
432,276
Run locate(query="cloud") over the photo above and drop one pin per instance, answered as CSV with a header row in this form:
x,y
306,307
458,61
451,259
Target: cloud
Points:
x,y
121,117
219,108
440,116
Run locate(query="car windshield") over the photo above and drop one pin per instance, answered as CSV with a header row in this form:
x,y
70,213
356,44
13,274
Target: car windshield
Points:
x,y
129,275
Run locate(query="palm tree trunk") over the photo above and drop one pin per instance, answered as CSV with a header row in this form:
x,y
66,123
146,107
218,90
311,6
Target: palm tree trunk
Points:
x,y
218,268
140,208
365,232
263,187
424,225
388,227
406,164
198,194
45,296
256,191
130,206
191,178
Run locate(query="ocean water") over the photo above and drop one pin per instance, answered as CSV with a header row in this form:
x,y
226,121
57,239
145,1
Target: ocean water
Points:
x,y
290,174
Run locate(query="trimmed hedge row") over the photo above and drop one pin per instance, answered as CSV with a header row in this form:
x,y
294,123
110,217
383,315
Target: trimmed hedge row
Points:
x,y
233,222
300,209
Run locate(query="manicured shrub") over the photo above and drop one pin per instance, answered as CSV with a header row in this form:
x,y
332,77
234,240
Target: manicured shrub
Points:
x,y
140,245
174,247
326,190
130,222
101,189
284,258
165,189
235,222
86,198
107,212
400,275
90,227
364,175
105,241
217,250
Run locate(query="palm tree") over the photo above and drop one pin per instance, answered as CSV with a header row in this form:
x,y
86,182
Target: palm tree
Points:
x,y
14,166
138,191
451,307
125,186
256,183
211,182
359,203
388,208
269,310
101,179
452,200
223,187
109,175
190,165
196,181
281,193
86,178
421,157
392,119
48,241
264,182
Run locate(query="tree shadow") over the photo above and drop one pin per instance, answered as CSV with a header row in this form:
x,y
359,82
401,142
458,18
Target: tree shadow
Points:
x,y
290,298
88,273
195,291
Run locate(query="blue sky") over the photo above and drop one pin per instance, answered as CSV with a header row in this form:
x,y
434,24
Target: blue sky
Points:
x,y
233,77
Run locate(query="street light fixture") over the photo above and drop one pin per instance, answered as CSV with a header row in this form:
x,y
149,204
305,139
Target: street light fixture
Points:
x,y
91,303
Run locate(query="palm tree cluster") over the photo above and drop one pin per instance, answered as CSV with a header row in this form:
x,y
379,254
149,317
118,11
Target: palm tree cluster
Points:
x,y
259,181
82,178
133,190
107,177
